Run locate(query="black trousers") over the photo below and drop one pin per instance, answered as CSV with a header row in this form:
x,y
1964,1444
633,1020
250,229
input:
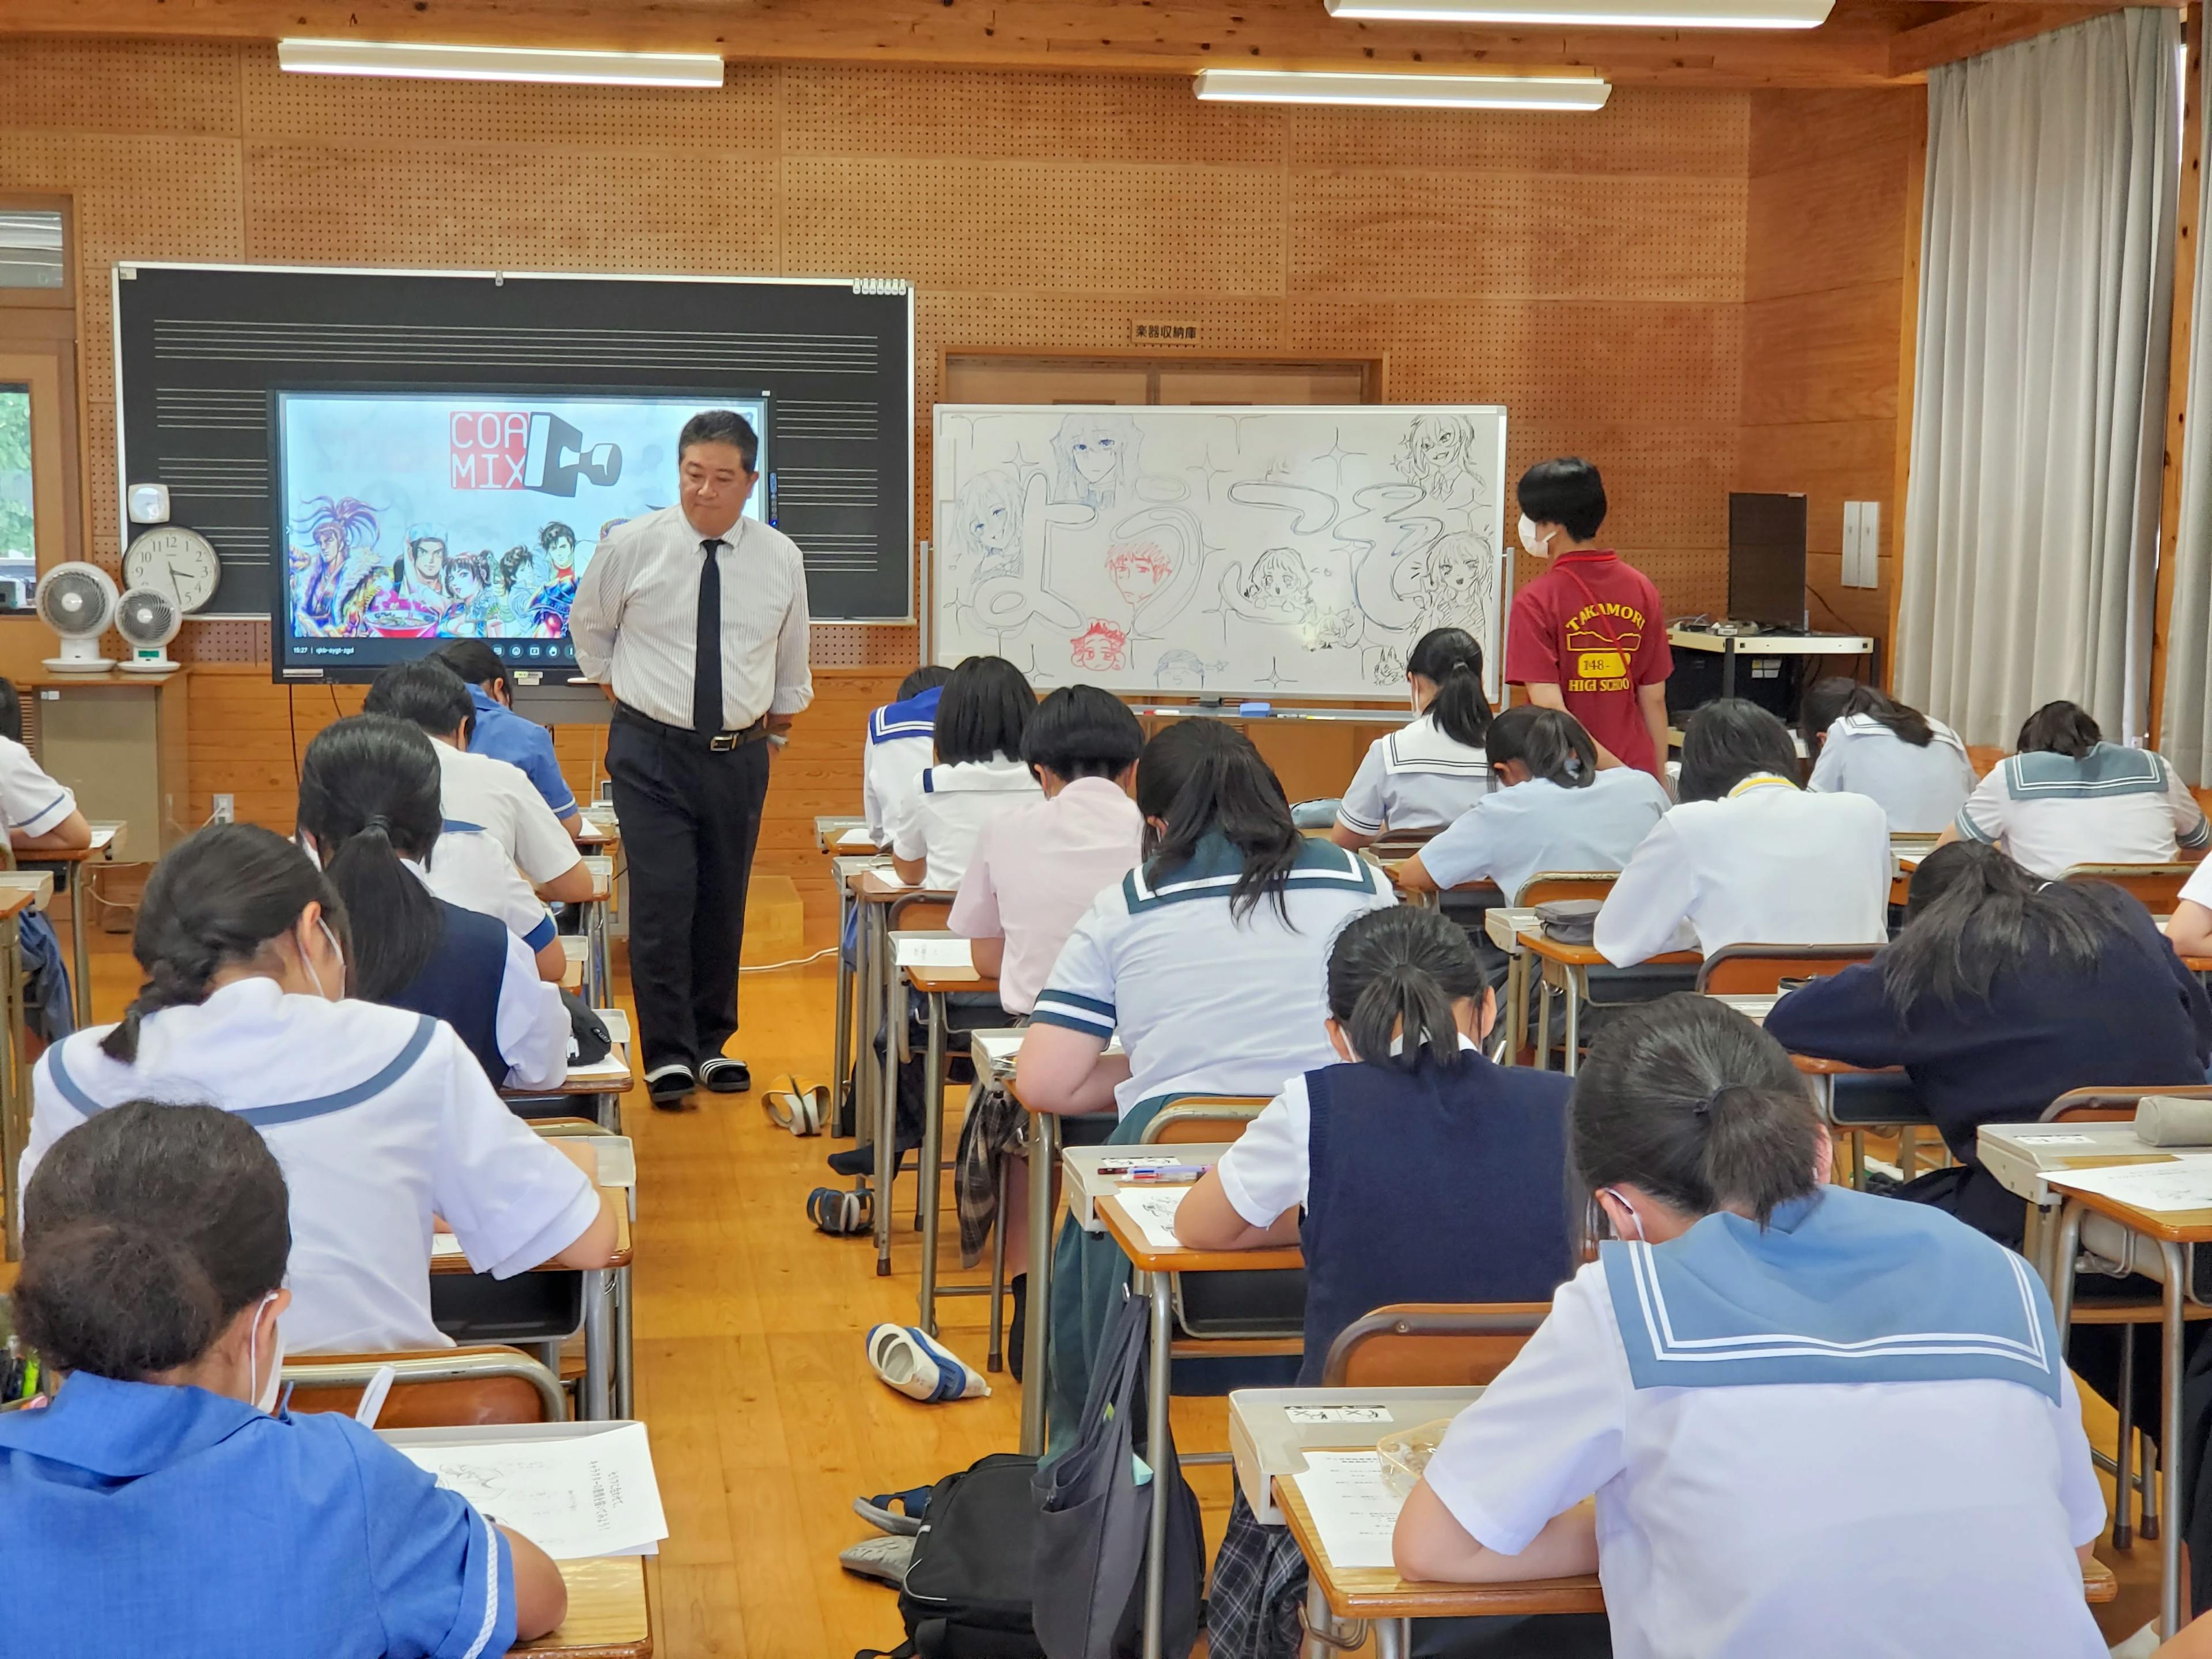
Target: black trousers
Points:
x,y
691,820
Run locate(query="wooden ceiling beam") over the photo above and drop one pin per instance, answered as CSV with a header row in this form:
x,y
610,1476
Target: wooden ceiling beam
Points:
x,y
1978,29
1149,37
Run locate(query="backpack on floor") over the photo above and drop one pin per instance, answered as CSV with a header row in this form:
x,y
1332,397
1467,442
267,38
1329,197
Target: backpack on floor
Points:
x,y
967,1594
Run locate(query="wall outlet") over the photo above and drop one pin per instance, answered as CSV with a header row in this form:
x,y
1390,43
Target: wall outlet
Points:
x,y
226,809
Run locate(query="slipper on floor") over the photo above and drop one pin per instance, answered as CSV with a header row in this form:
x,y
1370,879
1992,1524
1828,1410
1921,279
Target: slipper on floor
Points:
x,y
884,1559
840,1212
802,1111
897,1512
921,1367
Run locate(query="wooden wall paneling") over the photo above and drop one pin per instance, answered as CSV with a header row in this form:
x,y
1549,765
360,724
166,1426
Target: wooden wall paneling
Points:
x,y
2184,316
1908,353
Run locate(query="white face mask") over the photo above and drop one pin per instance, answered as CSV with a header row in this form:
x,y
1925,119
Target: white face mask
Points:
x,y
1531,542
307,961
1613,1192
1414,698
267,1398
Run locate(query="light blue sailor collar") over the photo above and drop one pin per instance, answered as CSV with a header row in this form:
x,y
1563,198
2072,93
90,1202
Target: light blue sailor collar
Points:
x,y
915,718
1839,1287
2109,769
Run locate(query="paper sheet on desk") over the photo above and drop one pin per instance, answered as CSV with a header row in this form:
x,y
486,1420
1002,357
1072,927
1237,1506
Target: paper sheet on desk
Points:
x,y
856,836
2176,1183
936,953
1153,1209
1352,1510
594,1494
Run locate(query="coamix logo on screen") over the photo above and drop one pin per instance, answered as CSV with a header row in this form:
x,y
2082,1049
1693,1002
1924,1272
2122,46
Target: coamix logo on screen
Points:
x,y
514,449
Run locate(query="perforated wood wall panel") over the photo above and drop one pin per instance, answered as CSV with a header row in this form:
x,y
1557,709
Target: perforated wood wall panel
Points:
x,y
1586,271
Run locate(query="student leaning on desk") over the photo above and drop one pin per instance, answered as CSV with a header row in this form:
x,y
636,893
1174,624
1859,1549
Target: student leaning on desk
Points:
x,y
382,1119
1718,1376
153,1506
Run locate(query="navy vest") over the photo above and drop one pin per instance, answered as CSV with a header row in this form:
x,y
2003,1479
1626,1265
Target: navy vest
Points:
x,y
460,984
1440,1184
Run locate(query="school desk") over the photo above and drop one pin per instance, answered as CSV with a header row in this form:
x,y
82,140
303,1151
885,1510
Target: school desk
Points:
x,y
595,1091
875,890
19,891
1271,1429
595,970
1156,1269
1389,1604
610,1611
2169,1231
607,1369
936,987
844,1045
844,836
1566,969
107,843
1091,1172
1731,647
574,949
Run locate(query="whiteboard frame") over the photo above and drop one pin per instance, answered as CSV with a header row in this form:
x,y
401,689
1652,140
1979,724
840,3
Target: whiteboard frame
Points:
x,y
858,285
926,567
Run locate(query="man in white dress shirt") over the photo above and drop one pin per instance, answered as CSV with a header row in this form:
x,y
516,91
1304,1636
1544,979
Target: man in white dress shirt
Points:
x,y
693,620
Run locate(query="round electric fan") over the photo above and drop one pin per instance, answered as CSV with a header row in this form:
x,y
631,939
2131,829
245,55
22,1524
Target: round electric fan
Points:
x,y
77,601
148,618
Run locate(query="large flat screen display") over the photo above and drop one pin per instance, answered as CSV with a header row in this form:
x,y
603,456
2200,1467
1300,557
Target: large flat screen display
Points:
x,y
411,518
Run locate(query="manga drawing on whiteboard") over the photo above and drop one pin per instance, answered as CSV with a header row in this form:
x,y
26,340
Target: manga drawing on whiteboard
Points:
x,y
1209,549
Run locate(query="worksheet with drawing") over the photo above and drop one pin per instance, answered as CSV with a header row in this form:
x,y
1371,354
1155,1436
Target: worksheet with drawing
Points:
x,y
1275,552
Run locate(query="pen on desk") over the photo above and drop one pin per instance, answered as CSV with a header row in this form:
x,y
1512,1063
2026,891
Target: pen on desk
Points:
x,y
771,500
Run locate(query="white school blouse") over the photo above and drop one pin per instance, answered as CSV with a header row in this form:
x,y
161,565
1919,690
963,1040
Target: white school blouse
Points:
x,y
381,1120
892,765
2113,805
1207,1003
1921,787
497,797
1532,827
938,822
1416,778
1767,864
33,803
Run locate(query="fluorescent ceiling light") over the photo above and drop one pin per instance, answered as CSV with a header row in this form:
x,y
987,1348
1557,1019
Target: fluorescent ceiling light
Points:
x,y
1595,14
1559,92
433,62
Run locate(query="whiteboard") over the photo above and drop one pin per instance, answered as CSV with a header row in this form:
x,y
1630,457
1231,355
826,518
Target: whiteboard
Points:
x,y
1279,552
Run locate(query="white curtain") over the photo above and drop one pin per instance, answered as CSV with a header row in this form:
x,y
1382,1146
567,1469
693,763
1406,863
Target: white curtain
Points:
x,y
2046,294
2185,732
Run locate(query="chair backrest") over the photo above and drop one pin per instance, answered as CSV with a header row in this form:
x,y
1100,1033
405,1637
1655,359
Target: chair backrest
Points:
x,y
1750,971
1197,1119
921,912
2158,885
1430,1344
1394,844
1549,884
2102,1103
436,1387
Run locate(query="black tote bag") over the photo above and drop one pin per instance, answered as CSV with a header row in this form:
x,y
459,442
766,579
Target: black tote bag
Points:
x,y
1094,1518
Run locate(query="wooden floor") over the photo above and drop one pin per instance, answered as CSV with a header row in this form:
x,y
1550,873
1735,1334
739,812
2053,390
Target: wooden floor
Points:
x,y
765,1420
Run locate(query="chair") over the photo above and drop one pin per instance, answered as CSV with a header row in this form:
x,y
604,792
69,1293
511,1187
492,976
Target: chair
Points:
x,y
1263,1312
1748,970
435,1389
1430,1344
2158,885
1547,885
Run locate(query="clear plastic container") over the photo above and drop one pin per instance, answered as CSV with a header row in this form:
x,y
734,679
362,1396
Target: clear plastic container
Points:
x,y
1405,1454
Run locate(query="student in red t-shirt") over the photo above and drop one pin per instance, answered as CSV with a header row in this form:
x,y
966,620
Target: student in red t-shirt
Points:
x,y
1588,634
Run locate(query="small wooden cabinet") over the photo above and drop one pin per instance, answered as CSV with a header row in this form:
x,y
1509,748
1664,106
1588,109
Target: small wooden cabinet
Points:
x,y
117,740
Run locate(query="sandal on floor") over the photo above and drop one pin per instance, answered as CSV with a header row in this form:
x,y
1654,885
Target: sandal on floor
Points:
x,y
840,1212
884,1559
896,1512
921,1368
802,1111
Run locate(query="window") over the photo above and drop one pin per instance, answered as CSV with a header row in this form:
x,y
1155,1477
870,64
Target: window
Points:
x,y
18,537
34,249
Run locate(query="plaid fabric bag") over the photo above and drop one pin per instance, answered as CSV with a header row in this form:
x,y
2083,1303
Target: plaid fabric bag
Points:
x,y
1259,1582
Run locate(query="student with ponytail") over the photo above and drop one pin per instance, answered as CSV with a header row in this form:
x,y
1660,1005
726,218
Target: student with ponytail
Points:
x,y
1207,960
1717,1374
1424,775
156,1507
1412,1170
382,1119
369,813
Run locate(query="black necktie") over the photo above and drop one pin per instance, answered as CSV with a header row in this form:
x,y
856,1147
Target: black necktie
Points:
x,y
707,681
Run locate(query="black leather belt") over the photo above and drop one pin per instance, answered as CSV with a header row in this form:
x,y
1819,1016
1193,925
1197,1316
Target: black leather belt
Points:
x,y
717,742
